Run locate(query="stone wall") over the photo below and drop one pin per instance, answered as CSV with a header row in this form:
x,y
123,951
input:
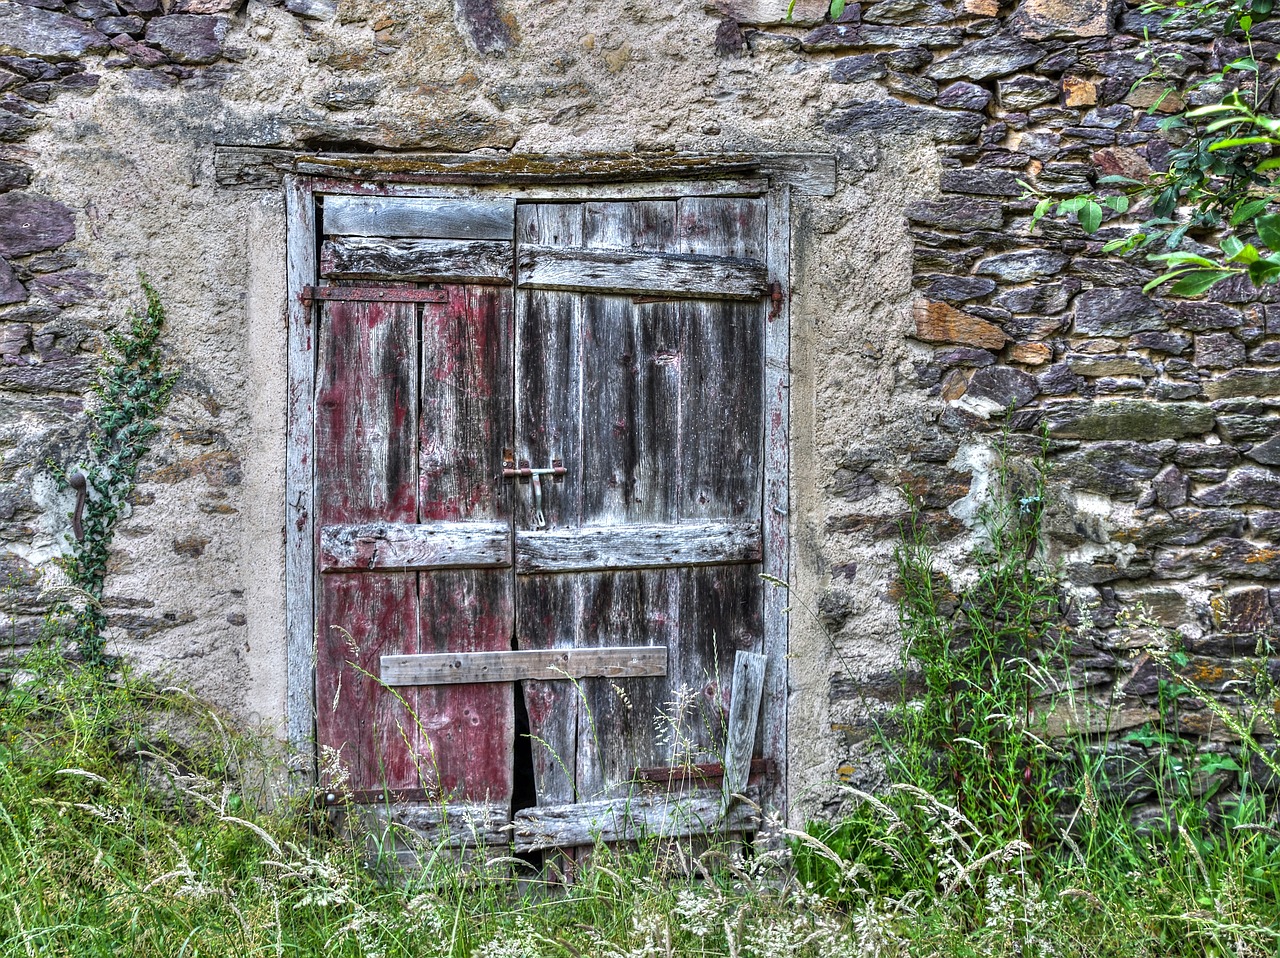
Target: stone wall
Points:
x,y
1162,416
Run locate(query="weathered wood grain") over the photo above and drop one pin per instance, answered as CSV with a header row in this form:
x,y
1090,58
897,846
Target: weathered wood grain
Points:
x,y
636,273
777,506
420,217
635,225
545,608
632,818
436,545
744,716
420,260
365,434
461,668
465,399
426,827
718,226
262,168
299,535
634,546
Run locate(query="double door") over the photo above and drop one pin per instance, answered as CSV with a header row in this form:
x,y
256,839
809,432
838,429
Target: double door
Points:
x,y
538,474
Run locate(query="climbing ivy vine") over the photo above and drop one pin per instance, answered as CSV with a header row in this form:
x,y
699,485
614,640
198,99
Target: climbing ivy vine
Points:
x,y
1212,213
132,391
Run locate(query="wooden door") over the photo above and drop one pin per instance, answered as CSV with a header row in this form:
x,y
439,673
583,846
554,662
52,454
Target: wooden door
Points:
x,y
613,573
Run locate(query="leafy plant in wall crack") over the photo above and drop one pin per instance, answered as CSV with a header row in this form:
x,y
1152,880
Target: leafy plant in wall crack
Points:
x,y
132,391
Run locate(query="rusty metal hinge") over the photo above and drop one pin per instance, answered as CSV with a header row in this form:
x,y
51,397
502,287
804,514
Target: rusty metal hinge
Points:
x,y
775,299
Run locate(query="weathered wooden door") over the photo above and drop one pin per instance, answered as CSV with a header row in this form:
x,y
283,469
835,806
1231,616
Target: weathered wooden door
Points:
x,y
539,470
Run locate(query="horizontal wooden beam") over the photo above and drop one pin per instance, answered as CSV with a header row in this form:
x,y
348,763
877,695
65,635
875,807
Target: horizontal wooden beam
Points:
x,y
629,819
421,217
263,167
458,668
638,272
423,827
438,545
424,260
597,548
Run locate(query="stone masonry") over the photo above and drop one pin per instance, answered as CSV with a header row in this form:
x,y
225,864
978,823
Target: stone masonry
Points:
x,y
920,338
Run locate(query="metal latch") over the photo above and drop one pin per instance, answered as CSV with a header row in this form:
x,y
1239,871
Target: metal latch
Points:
x,y
525,474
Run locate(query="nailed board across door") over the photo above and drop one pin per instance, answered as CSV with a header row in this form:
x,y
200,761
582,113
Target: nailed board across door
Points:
x,y
515,666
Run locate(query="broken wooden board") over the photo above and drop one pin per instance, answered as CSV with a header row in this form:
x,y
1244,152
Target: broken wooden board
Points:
x,y
744,716
627,819
650,273
425,827
420,217
458,668
402,545
420,260
598,548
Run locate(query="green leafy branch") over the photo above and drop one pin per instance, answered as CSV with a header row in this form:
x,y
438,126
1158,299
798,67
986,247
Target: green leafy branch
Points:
x,y
133,389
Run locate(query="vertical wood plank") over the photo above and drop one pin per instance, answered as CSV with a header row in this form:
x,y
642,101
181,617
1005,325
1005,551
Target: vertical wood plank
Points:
x,y
744,716
777,506
548,609
366,437
467,732
640,224
300,265
722,410
720,226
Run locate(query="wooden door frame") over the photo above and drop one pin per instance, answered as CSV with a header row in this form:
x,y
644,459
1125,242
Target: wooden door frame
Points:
x,y
770,176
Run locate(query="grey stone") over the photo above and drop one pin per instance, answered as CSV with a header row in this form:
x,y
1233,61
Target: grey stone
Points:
x,y
964,96
957,213
1108,117
11,290
1114,365
30,31
1111,272
188,38
1063,19
887,116
833,36
1201,317
1244,382
1268,352
982,182
1021,266
928,12
1116,312
1171,487
31,223
312,9
1219,351
1196,455
1267,453
928,37
1165,389
14,127
1248,485
967,356
1059,380
1049,299
958,289
906,84
865,66
1173,343
111,26
1228,557
907,58
1025,92
482,26
1004,385
1247,426
1111,468
993,57
1127,419
92,9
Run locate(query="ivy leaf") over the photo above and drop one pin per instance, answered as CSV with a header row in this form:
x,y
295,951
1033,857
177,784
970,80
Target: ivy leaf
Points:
x,y
1183,258
1269,230
1198,281
1118,203
1115,179
837,8
1264,271
1091,217
1164,278
1072,205
1241,141
1244,63
1248,210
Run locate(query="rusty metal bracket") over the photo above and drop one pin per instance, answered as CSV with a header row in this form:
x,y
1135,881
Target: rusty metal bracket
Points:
x,y
373,294
80,484
510,470
775,300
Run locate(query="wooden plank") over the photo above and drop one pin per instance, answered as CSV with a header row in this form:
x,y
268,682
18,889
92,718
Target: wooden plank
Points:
x,y
405,546
777,506
665,274
299,534
718,226
461,668
551,192
428,260
632,818
702,775
634,546
427,827
744,715
465,393
644,224
260,168
365,434
547,608
420,217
